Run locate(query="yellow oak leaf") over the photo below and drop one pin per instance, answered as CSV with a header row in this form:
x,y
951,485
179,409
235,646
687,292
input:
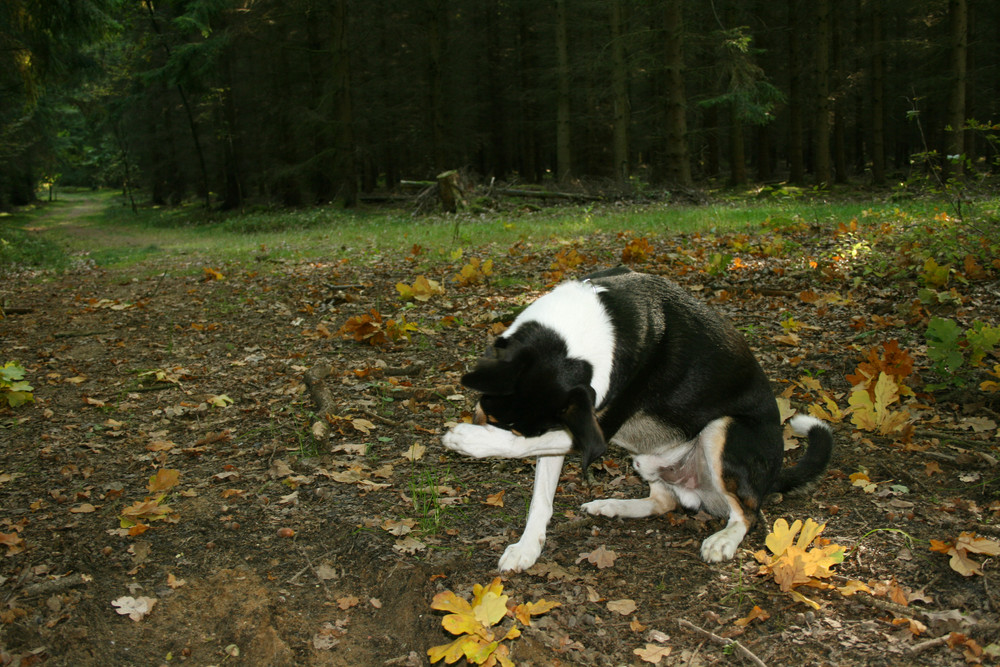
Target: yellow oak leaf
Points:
x,y
490,609
448,601
524,612
455,650
164,480
782,536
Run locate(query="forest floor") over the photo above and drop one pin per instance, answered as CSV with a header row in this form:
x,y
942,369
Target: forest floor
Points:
x,y
169,499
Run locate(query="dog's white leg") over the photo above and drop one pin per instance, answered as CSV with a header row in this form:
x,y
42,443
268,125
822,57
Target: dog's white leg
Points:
x,y
522,554
660,501
722,545
482,441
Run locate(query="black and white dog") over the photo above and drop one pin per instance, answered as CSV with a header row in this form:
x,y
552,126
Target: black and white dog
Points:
x,y
634,359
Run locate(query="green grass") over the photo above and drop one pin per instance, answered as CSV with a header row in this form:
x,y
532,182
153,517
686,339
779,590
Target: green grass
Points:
x,y
112,236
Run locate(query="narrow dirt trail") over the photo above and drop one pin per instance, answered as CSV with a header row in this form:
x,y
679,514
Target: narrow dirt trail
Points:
x,y
73,218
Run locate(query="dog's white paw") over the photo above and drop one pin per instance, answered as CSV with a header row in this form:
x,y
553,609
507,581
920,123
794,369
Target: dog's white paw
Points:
x,y
520,556
607,507
723,544
478,441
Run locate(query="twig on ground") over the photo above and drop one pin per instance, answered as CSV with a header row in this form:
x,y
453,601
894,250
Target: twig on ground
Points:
x,y
738,647
929,644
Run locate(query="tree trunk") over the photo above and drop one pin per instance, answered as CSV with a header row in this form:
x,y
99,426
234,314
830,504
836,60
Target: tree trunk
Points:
x,y
563,139
821,73
958,14
345,171
796,100
737,148
435,44
878,95
619,91
677,166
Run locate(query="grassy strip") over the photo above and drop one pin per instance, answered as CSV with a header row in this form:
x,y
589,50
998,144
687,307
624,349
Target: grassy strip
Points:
x,y
115,237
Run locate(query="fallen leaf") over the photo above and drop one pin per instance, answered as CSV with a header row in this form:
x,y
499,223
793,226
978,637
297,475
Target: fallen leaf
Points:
x,y
755,614
83,508
400,528
163,480
623,607
415,452
496,500
409,545
652,653
601,557
174,582
347,602
134,608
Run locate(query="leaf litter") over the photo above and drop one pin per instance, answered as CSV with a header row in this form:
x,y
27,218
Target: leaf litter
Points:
x,y
277,523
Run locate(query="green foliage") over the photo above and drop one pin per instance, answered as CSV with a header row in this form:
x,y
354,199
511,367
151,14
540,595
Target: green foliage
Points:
x,y
956,353
20,249
14,391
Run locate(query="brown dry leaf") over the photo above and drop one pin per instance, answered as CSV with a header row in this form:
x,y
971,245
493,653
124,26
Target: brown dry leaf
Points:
x,y
635,626
174,582
623,607
409,545
601,557
13,542
415,452
83,508
755,614
134,608
164,480
496,500
347,602
652,653
399,528
160,446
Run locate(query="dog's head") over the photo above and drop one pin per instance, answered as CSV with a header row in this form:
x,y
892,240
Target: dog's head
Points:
x,y
531,389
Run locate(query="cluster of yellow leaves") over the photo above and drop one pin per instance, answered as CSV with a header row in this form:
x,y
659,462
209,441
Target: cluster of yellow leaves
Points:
x,y
878,383
960,549
870,407
474,272
792,563
636,251
822,406
992,385
565,261
373,330
212,274
478,641
421,290
136,518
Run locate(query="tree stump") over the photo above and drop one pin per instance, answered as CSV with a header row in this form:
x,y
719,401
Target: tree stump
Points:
x,y
449,191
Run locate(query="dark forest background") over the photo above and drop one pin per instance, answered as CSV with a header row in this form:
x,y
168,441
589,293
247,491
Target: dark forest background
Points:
x,y
305,101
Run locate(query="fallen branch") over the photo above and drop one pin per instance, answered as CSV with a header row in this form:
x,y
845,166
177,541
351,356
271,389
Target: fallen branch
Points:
x,y
929,644
544,194
738,647
78,334
320,394
52,585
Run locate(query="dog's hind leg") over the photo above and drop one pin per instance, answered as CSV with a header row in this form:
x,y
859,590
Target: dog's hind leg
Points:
x,y
522,554
660,501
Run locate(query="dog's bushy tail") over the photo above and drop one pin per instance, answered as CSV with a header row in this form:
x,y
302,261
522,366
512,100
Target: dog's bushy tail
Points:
x,y
816,457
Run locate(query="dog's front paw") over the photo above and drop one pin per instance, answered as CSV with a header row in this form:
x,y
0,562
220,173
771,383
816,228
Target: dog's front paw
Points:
x,y
477,441
606,507
520,556
722,545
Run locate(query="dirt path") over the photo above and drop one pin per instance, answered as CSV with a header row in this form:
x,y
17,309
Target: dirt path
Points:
x,y
170,459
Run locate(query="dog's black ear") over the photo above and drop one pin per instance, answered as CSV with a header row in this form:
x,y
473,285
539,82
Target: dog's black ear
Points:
x,y
497,375
578,416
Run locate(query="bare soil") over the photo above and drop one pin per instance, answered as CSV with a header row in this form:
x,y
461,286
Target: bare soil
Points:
x,y
277,549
